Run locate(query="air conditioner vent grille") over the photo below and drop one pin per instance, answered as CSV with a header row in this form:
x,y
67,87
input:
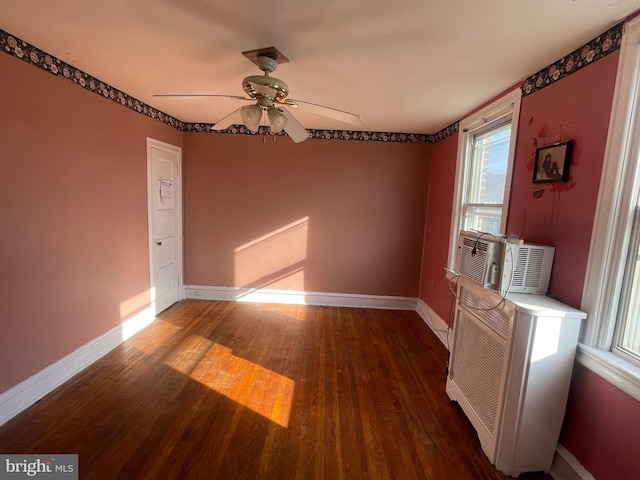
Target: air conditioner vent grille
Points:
x,y
473,259
534,268
477,369
479,245
521,268
527,268
495,318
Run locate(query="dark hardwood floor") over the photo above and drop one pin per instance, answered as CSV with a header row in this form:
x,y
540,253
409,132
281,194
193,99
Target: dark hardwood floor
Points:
x,y
247,391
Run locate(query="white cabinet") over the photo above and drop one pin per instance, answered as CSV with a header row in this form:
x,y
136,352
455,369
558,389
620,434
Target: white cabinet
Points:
x,y
510,369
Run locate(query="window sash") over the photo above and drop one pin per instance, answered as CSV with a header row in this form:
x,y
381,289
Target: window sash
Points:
x,y
615,211
626,340
482,217
480,144
504,111
612,226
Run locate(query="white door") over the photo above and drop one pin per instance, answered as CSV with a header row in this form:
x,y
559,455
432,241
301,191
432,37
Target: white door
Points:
x,y
164,195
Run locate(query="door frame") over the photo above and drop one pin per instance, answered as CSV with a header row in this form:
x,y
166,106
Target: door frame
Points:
x,y
153,143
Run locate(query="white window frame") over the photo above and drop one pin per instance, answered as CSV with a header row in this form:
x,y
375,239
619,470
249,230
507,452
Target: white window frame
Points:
x,y
494,113
613,224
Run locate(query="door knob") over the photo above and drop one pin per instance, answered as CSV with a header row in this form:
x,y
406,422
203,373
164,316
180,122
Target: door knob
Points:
x,y
159,243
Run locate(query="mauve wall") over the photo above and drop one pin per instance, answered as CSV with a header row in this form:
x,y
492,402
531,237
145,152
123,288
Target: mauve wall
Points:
x,y
580,107
73,210
323,215
601,422
601,427
576,108
433,289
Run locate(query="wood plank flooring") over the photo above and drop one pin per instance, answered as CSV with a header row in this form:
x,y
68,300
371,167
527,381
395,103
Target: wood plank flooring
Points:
x,y
219,390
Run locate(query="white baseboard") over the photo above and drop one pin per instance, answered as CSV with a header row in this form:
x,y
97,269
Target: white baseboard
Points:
x,y
236,294
26,393
566,467
435,322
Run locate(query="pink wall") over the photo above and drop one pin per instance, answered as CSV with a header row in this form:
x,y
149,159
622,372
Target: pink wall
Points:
x,y
323,215
602,422
575,108
74,216
433,289
601,427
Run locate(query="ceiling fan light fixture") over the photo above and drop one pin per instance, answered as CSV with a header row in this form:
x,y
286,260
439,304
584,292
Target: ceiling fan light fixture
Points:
x,y
269,93
251,115
277,120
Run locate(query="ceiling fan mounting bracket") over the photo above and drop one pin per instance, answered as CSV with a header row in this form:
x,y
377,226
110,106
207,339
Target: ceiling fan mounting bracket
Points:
x,y
270,52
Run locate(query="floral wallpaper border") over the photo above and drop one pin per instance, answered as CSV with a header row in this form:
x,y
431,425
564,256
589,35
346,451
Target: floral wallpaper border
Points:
x,y
318,134
39,58
599,47
444,133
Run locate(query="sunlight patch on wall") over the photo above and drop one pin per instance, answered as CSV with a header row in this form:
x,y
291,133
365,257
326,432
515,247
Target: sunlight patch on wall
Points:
x,y
275,260
289,297
134,304
260,390
136,313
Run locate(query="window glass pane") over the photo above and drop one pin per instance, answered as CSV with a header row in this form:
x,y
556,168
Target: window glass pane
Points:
x,y
628,337
486,177
490,156
630,343
483,218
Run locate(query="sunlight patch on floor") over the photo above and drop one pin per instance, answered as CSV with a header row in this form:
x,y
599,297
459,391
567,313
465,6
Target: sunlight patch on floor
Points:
x,y
257,388
150,340
186,357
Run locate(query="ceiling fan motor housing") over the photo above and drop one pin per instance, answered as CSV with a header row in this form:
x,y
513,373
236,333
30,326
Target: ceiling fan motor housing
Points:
x,y
257,86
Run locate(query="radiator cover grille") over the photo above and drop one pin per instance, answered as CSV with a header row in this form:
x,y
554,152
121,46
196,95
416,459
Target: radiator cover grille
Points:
x,y
477,368
495,318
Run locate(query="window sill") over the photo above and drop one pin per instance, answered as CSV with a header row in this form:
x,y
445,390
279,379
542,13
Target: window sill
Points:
x,y
620,373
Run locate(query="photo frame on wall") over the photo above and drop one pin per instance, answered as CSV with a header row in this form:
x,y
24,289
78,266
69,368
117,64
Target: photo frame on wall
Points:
x,y
552,162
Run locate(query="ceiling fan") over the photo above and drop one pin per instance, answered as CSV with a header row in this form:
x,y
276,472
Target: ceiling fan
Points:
x,y
269,98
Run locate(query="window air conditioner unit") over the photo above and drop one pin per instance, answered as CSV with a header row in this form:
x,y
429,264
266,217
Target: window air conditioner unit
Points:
x,y
504,264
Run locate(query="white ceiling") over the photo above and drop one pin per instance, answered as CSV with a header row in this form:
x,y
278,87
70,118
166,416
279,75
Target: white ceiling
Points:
x,y
413,66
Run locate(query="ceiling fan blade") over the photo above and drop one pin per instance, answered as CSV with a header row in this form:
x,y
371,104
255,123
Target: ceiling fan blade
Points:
x,y
237,97
234,118
328,112
293,128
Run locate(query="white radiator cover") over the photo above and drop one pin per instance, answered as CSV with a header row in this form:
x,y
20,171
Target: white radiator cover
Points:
x,y
510,370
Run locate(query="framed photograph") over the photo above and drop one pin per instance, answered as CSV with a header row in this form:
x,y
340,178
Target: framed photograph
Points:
x,y
552,163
